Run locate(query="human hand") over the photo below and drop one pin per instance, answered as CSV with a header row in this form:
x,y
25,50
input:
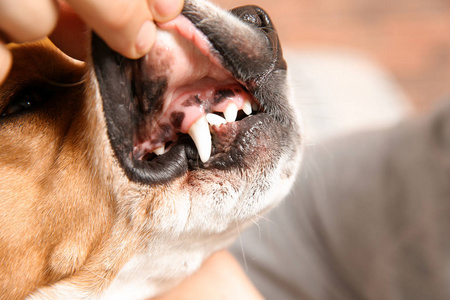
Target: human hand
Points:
x,y
127,26
220,277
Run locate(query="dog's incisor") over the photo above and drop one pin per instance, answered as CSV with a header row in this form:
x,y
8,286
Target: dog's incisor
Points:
x,y
112,182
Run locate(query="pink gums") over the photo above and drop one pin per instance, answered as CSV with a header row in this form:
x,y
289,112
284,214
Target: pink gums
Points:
x,y
193,98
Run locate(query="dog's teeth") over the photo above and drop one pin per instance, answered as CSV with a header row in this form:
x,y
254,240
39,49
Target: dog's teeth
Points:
x,y
230,112
255,106
160,150
199,132
214,119
247,108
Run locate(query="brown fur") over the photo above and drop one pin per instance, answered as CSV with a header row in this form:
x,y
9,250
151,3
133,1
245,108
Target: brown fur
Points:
x,y
43,237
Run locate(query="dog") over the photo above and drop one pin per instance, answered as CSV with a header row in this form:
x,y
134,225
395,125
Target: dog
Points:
x,y
120,177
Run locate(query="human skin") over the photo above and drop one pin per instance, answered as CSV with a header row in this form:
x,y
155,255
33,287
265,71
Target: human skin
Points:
x,y
126,26
220,277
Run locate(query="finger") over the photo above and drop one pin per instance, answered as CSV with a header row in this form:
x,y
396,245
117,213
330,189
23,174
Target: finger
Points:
x,y
165,10
27,20
71,33
126,26
5,62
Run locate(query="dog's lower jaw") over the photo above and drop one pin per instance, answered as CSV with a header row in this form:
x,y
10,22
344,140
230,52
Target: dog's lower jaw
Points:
x,y
181,243
157,270
152,255
151,272
183,237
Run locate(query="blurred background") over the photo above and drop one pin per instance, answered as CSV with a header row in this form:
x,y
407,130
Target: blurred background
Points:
x,y
362,63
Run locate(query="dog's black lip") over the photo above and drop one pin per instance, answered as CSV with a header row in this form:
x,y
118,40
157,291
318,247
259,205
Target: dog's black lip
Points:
x,y
112,72
116,87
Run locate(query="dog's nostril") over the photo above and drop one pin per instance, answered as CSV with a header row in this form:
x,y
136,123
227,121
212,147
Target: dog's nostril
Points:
x,y
253,15
247,14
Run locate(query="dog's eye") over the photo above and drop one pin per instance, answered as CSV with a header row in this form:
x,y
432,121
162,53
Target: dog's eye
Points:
x,y
25,100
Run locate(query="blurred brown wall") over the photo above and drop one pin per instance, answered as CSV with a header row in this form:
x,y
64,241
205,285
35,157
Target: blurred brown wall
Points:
x,y
410,38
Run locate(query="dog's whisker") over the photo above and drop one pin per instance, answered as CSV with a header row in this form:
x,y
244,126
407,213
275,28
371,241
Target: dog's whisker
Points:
x,y
242,246
258,226
61,84
262,217
256,223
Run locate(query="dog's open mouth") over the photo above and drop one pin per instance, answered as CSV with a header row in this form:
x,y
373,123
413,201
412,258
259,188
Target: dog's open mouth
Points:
x,y
197,98
208,95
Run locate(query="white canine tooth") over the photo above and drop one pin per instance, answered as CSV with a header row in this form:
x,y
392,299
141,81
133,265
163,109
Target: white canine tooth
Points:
x,y
160,150
247,108
214,119
230,112
199,132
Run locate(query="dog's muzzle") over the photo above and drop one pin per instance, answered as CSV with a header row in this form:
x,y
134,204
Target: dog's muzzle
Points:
x,y
211,94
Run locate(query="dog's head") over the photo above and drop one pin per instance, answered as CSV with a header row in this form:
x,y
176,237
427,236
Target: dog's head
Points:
x,y
157,161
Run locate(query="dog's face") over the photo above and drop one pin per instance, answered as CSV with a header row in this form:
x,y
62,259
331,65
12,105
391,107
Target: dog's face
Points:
x,y
121,168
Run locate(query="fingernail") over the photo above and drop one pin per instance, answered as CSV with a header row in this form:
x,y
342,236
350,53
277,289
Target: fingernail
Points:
x,y
145,37
164,10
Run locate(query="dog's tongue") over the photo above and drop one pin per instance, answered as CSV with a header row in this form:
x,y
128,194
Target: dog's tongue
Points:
x,y
196,87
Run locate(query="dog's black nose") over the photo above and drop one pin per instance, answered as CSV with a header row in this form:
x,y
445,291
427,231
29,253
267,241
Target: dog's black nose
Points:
x,y
257,17
253,15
